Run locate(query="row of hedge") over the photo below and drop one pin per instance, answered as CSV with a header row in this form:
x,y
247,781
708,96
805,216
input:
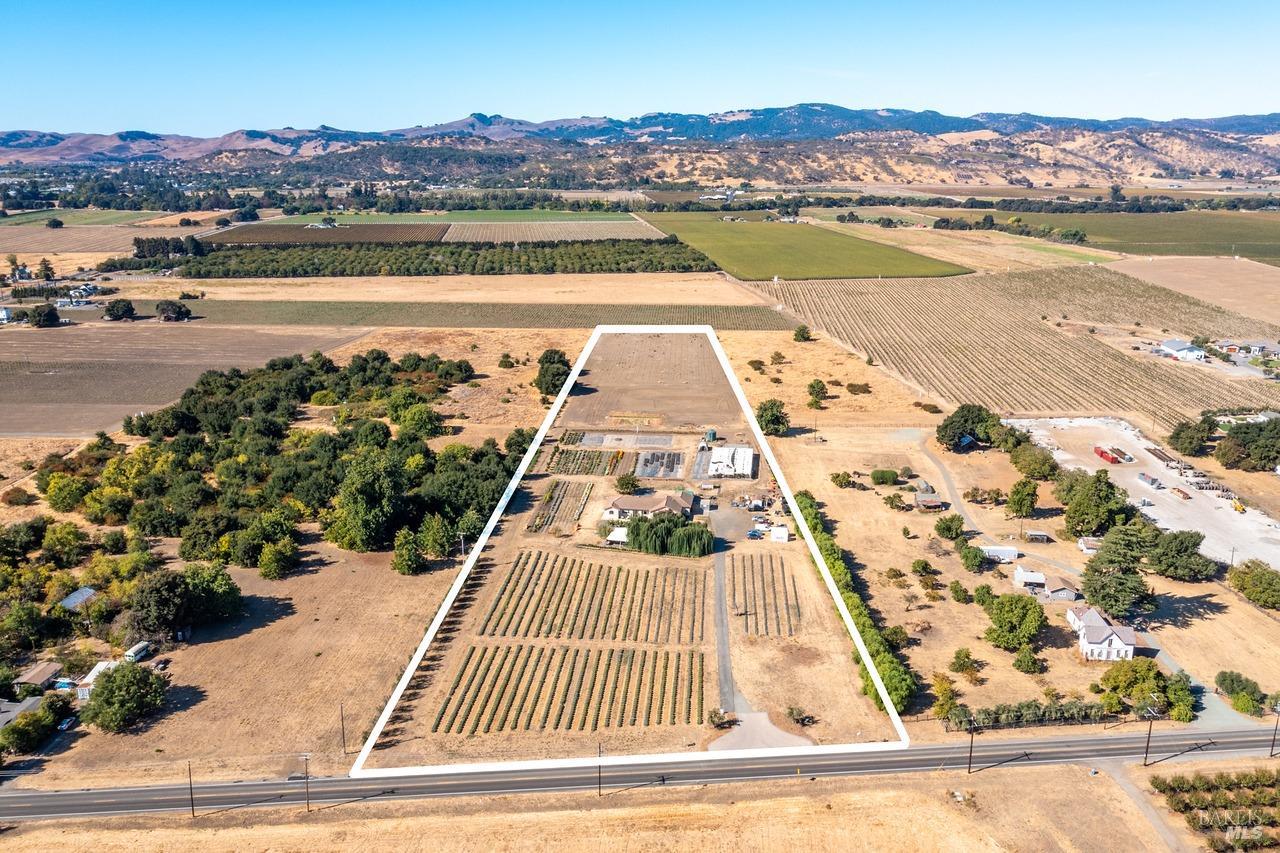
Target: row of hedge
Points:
x,y
898,678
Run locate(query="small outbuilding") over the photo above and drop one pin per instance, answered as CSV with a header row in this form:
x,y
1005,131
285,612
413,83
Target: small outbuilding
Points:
x,y
84,688
1059,589
39,676
1032,582
79,599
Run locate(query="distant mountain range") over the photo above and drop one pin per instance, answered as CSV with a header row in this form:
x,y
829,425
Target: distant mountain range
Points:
x,y
794,123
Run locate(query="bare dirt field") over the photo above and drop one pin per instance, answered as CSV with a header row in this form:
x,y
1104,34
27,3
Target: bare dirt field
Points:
x,y
16,451
520,232
199,217
866,813
252,695
621,289
1237,284
80,238
995,340
79,379
983,251
622,385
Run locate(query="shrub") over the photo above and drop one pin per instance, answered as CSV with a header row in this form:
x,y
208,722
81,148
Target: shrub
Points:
x,y
1026,661
17,496
841,479
802,334
627,484
773,418
983,595
1258,582
278,558
65,491
959,593
884,477
949,527
324,397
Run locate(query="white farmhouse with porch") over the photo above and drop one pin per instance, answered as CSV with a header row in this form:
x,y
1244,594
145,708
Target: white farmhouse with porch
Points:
x,y
1100,639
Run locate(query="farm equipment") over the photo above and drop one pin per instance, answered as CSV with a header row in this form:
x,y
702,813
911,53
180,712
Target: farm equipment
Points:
x,y
1106,455
1182,494
1237,506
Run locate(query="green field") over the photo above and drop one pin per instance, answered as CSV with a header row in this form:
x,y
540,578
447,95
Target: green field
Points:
x,y
754,251
1251,234
532,215
481,315
81,217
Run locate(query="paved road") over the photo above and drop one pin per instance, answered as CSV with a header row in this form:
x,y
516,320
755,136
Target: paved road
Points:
x,y
988,756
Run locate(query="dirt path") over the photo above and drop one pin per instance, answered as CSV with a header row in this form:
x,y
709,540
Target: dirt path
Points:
x,y
1143,803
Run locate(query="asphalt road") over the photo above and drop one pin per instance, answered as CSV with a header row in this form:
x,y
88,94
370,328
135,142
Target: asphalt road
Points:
x,y
988,757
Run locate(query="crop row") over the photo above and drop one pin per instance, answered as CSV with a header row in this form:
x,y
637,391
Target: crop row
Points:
x,y
765,595
601,463
563,688
547,595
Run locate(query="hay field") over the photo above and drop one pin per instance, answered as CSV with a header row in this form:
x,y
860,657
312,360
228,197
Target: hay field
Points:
x,y
79,238
274,234
1247,287
64,263
78,379
983,251
981,339
1252,234
762,250
637,288
530,231
514,315
200,217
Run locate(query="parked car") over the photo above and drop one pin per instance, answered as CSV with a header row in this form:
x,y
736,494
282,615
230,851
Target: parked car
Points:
x,y
66,724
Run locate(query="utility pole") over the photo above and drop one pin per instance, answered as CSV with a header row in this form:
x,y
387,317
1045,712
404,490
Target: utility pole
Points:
x,y
1151,722
600,771
342,721
306,778
191,791
970,770
1272,752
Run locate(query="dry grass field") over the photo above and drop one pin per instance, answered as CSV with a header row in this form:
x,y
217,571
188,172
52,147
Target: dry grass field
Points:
x,y
205,218
865,812
79,379
64,263
79,238
995,339
524,232
983,251
618,289
251,696
16,452
1244,286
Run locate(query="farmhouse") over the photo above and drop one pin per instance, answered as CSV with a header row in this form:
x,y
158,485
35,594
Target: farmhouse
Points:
x,y
628,506
1059,589
39,676
1099,638
84,688
1260,348
1181,350
732,461
9,711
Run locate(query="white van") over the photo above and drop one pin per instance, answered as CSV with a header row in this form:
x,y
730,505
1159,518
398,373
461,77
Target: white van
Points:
x,y
138,652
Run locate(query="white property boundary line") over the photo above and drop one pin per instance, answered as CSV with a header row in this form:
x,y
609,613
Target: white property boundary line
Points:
x,y
358,770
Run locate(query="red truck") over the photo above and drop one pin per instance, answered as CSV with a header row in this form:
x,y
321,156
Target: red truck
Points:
x,y
1106,455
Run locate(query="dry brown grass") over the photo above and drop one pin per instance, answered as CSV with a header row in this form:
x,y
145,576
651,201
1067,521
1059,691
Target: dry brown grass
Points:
x,y
113,239
1239,285
523,232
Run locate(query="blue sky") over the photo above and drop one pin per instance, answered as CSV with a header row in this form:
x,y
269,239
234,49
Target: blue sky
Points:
x,y
208,68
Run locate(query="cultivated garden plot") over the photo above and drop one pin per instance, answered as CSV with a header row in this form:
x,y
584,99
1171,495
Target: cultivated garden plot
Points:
x,y
563,641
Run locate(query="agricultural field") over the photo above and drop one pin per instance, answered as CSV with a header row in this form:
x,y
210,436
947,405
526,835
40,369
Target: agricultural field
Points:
x,y
494,216
765,594
998,340
1250,234
76,380
273,234
982,251
1240,285
513,315
116,239
762,250
73,216
516,231
204,218
561,507
592,462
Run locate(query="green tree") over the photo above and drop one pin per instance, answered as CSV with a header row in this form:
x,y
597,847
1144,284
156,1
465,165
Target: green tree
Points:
x,y
278,558
44,270
773,418
1177,555
553,371
160,603
435,537
470,525
172,311
1022,498
1258,582
949,527
212,594
44,316
894,501
1189,437
368,502
124,695
817,391
802,334
1026,661
963,662
627,484
969,420
119,309
64,544
1118,594
65,491
1096,506
1033,461
1015,621
407,558
423,421
24,622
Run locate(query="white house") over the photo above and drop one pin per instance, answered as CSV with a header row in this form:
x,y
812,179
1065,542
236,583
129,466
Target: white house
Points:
x,y
1181,350
1032,582
1099,638
627,506
85,686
